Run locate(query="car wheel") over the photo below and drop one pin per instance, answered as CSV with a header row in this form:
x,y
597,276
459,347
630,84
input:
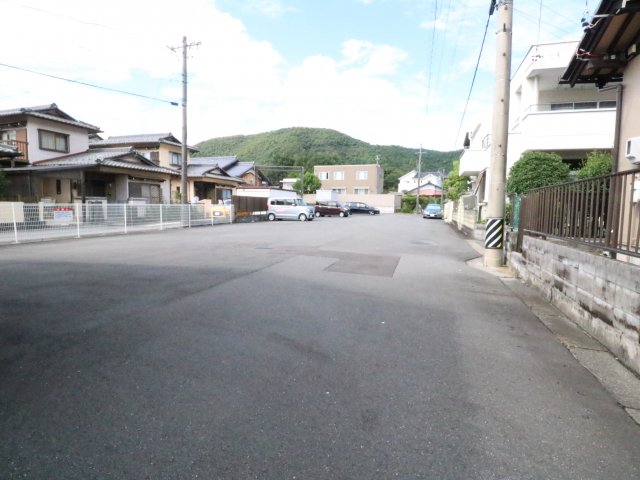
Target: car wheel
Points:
x,y
271,217
341,214
371,212
302,217
317,214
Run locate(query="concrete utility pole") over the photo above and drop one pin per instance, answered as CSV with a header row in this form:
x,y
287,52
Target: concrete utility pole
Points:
x,y
419,179
184,193
494,237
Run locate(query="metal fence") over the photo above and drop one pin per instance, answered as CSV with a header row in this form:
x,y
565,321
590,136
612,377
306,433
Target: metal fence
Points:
x,y
22,222
603,212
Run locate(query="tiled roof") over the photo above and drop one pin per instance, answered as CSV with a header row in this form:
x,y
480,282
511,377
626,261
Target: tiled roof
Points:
x,y
240,168
111,157
8,151
133,140
221,161
206,171
49,112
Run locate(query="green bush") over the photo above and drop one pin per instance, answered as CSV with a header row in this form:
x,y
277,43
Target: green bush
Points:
x,y
535,170
596,164
409,202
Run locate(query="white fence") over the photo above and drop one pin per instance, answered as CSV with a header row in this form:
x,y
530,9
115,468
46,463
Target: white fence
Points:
x,y
23,222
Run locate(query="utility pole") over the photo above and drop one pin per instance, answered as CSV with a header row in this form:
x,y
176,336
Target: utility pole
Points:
x,y
494,236
419,179
184,193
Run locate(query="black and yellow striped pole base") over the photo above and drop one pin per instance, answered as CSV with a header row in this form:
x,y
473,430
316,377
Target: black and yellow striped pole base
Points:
x,y
494,235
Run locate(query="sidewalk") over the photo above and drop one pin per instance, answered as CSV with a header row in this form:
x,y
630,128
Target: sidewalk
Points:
x,y
614,377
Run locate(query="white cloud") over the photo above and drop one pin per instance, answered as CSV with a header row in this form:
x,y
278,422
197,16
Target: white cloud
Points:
x,y
237,84
271,8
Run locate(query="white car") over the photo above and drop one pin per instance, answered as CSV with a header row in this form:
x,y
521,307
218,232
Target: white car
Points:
x,y
290,209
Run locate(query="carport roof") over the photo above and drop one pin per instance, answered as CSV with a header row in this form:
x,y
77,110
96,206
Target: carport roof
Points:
x,y
607,45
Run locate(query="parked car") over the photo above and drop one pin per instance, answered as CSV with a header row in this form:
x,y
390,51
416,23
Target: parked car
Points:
x,y
331,207
289,209
359,207
432,210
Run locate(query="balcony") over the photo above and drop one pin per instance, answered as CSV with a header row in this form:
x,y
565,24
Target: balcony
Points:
x,y
566,126
22,147
472,162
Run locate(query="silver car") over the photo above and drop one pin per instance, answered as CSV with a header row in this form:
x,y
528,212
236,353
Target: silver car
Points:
x,y
289,209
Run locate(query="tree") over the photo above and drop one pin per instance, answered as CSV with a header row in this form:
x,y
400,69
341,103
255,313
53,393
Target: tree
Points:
x,y
455,185
537,169
596,164
310,183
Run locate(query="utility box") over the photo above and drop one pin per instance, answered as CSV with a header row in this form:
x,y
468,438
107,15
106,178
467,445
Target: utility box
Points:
x,y
633,150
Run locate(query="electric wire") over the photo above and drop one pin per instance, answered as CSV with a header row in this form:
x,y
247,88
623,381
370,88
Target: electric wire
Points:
x,y
475,72
123,92
433,40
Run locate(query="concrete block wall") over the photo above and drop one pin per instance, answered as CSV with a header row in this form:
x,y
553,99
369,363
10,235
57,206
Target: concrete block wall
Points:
x,y
600,294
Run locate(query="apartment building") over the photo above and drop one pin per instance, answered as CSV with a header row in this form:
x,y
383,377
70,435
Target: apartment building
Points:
x,y
351,179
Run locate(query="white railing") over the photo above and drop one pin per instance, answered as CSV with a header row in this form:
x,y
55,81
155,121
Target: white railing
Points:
x,y
23,222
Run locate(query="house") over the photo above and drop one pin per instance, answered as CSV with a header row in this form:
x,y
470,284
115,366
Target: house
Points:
x,y
544,115
214,178
590,221
115,175
55,162
606,59
351,179
208,178
430,183
161,148
43,132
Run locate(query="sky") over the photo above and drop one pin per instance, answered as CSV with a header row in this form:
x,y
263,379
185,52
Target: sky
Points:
x,y
388,72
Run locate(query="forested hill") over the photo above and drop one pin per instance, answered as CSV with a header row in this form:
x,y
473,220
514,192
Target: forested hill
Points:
x,y
317,146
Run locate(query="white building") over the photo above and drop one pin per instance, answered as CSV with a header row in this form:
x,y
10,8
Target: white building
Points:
x,y
545,116
429,181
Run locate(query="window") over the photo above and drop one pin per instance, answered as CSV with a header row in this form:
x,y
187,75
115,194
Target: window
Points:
x,y
53,141
323,175
338,175
362,175
585,105
608,104
58,186
176,158
154,157
339,190
361,191
7,135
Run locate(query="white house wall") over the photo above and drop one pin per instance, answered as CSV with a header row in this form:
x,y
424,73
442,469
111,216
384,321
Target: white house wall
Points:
x,y
78,138
630,126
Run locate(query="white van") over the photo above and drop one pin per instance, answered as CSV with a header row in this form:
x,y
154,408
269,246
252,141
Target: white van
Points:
x,y
290,209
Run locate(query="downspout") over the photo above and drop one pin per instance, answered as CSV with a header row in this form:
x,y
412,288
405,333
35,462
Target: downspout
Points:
x,y
616,133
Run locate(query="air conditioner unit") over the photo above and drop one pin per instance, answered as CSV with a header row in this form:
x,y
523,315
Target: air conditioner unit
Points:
x,y
633,150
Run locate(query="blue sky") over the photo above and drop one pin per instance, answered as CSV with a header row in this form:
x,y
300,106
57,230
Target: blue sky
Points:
x,y
389,72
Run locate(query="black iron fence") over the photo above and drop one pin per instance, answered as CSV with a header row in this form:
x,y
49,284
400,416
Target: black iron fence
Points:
x,y
603,212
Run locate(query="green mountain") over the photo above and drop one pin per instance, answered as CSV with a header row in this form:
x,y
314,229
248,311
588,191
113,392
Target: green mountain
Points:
x,y
318,146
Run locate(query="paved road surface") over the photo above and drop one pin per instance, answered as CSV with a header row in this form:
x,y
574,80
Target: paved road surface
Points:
x,y
357,348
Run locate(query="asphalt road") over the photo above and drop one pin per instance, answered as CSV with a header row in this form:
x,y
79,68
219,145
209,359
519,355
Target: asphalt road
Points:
x,y
355,348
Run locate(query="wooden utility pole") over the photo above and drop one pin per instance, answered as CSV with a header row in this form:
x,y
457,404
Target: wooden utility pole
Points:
x,y
184,186
494,236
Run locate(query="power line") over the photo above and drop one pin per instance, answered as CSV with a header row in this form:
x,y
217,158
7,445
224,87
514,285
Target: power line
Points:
x,y
486,27
123,92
